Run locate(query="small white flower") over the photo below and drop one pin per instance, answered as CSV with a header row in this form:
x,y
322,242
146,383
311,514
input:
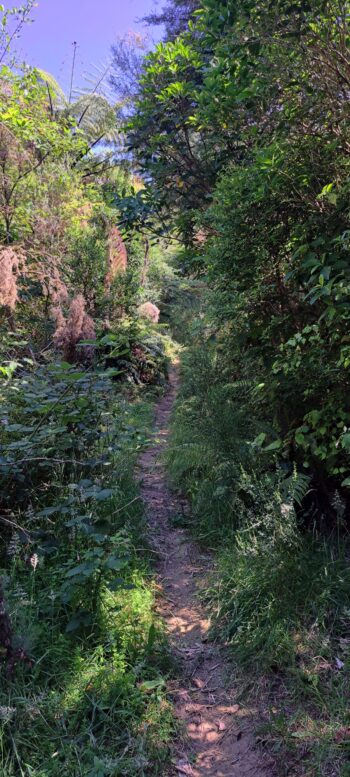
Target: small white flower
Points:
x,y
34,561
286,510
7,713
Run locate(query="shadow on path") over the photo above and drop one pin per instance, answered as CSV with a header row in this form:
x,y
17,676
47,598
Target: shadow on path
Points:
x,y
219,741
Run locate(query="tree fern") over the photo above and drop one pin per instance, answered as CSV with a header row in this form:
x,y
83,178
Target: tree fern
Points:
x,y
56,93
93,112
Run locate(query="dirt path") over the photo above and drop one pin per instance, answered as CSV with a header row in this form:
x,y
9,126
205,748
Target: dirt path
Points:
x,y
219,739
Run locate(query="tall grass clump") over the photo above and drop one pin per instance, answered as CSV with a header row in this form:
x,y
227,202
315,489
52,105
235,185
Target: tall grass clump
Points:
x,y
210,448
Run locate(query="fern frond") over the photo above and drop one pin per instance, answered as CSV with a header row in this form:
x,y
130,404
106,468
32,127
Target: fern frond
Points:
x,y
95,116
296,486
238,385
54,87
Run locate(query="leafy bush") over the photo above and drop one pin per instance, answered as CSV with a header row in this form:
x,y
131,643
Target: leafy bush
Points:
x,y
244,140
278,595
136,351
81,636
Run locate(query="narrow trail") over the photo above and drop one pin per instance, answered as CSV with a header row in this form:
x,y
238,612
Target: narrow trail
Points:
x,y
218,739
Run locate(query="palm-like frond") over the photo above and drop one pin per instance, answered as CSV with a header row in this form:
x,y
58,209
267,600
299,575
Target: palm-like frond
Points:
x,y
57,94
94,114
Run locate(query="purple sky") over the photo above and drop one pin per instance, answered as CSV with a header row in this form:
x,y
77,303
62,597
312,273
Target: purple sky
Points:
x,y
94,24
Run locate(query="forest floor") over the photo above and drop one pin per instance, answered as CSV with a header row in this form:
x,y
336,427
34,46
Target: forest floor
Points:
x,y
216,733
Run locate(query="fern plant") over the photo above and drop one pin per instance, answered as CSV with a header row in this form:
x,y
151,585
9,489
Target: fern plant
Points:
x,y
296,486
91,109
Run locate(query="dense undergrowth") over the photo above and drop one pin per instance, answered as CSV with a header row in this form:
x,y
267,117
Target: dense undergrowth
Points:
x,y
279,595
82,687
241,126
237,128
82,656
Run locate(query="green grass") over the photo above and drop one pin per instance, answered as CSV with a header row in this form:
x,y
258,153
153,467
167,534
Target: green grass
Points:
x,y
91,702
279,596
80,706
265,595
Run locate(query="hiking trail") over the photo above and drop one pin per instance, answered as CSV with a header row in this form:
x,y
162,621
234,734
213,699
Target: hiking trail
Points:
x,y
218,739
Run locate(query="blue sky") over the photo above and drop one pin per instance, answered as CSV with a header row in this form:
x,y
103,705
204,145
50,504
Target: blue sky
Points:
x,y
94,24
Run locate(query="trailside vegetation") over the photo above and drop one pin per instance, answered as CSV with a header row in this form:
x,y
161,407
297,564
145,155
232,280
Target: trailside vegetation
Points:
x,y
82,656
241,124
228,141
241,127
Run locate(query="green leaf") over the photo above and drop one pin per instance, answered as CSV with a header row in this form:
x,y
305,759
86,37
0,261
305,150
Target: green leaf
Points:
x,y
78,620
111,372
151,685
152,633
105,493
260,439
86,569
116,584
115,563
274,446
345,440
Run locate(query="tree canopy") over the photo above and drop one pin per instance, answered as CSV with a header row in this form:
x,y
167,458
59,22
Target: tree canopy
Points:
x,y
241,126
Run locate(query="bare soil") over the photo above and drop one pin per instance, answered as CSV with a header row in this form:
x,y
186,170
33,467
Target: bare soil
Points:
x,y
217,733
